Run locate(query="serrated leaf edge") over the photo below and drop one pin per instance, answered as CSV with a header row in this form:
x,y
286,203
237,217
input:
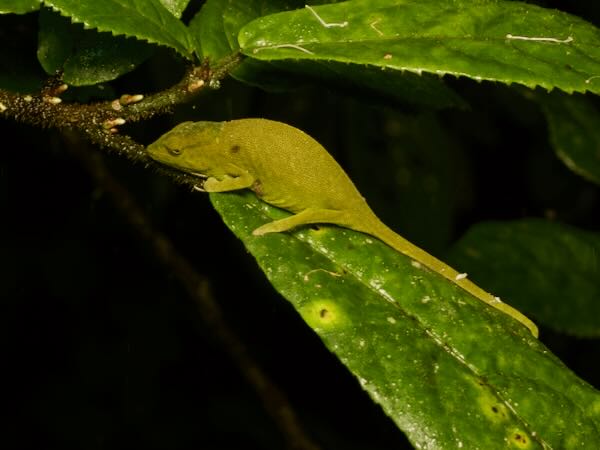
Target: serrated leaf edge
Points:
x,y
180,48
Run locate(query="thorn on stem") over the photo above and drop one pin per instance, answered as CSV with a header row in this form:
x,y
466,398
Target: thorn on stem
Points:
x,y
128,99
194,85
111,124
52,100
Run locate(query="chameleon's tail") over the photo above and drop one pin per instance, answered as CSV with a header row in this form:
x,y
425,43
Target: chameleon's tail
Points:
x,y
397,242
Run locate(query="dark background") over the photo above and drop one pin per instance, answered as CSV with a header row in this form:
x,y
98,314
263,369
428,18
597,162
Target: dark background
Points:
x,y
104,349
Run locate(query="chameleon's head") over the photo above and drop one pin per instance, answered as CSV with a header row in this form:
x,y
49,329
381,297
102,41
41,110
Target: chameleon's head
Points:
x,y
193,147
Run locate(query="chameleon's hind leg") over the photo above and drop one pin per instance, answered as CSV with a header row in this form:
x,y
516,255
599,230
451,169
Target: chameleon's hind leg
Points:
x,y
306,217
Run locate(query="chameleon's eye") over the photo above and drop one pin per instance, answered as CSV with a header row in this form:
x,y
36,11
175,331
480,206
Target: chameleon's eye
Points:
x,y
174,151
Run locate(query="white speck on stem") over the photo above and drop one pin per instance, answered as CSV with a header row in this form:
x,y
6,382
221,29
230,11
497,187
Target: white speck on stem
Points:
x,y
195,85
128,99
53,100
326,24
113,123
460,276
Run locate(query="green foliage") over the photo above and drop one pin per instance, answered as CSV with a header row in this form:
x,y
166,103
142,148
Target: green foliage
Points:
x,y
574,133
508,42
86,57
218,24
529,259
450,371
148,20
19,6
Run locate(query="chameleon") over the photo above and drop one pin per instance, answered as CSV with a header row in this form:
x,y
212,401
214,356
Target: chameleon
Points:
x,y
287,168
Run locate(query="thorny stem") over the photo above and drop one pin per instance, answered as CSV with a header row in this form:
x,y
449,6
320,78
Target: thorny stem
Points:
x,y
99,122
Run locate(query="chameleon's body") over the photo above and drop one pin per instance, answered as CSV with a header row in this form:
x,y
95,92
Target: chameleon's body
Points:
x,y
288,169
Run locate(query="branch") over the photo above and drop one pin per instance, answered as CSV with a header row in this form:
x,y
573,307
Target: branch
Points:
x,y
99,122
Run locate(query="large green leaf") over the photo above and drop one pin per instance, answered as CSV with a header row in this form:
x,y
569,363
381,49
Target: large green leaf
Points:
x,y
85,57
218,23
548,269
19,6
215,29
449,370
504,41
574,133
143,19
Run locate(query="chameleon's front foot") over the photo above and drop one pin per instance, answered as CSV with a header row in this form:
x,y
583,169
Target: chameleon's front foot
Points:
x,y
228,183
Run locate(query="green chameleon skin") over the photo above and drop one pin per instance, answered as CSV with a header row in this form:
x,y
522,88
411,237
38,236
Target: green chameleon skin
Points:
x,y
287,168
